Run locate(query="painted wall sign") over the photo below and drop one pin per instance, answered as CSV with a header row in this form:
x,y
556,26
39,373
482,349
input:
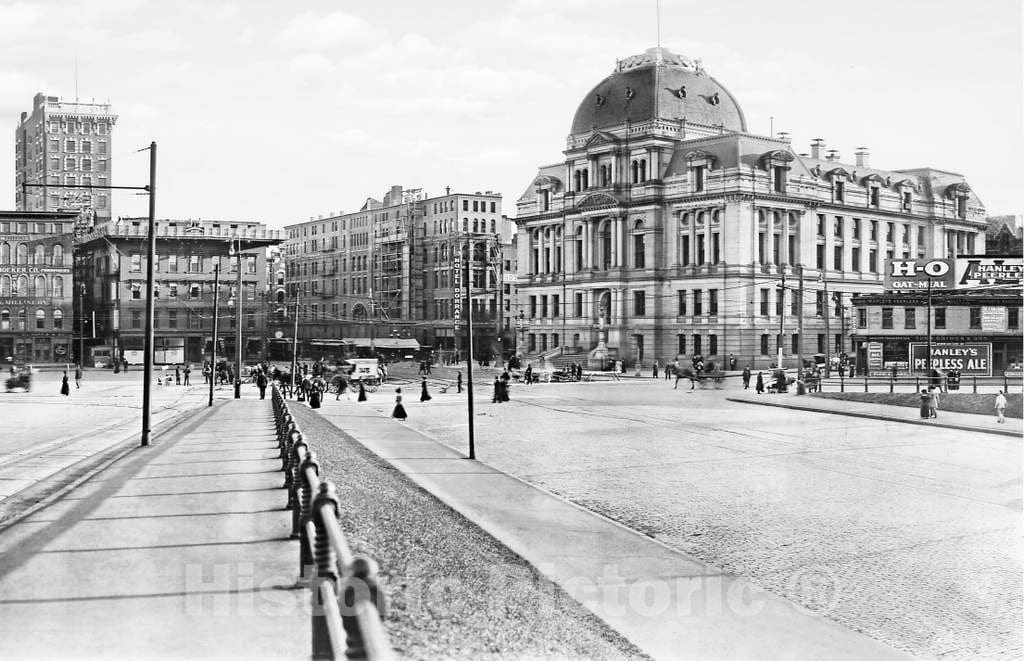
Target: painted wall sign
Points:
x,y
971,359
952,274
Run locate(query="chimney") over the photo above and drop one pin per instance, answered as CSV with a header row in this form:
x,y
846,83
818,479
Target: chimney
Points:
x,y
817,147
447,190
833,155
784,136
862,157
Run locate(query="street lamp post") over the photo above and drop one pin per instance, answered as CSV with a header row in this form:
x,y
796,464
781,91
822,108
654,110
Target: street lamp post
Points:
x,y
238,321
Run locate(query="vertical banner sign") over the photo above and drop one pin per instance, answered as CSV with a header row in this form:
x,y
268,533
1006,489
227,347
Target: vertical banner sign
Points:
x,y
874,356
457,308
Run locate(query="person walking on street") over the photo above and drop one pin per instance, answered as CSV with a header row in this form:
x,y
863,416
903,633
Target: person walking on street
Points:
x,y
188,370
746,377
424,395
654,375
732,362
759,384
124,362
934,403
528,374
261,383
496,397
177,375
65,389
78,376
458,382
399,410
362,393
1000,406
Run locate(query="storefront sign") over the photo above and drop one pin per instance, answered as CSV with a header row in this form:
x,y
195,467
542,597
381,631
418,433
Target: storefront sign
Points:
x,y
62,270
994,318
969,359
457,303
874,355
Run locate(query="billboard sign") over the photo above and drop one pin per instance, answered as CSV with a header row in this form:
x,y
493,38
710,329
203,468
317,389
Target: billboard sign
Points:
x,y
970,359
915,274
960,273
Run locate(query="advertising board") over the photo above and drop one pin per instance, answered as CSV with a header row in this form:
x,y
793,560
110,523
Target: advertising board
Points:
x,y
961,273
970,359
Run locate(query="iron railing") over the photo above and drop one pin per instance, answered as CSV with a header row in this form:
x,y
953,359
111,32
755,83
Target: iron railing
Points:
x,y
347,604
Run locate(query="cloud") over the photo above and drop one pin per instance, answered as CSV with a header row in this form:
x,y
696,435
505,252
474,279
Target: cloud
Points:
x,y
17,19
310,31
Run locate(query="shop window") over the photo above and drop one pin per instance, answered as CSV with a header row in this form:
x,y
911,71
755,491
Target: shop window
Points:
x,y
909,318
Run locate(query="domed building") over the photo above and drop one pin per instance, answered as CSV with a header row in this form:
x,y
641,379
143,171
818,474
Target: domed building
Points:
x,y
669,230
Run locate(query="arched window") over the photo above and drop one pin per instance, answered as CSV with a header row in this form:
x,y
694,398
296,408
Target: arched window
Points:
x,y
5,253
22,318
5,285
639,245
39,255
635,167
58,255
22,256
40,286
579,248
643,169
22,289
58,318
40,319
576,177
606,245
476,225
5,319
58,286
280,296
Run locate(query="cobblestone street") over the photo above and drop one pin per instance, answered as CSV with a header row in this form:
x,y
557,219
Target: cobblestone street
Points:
x,y
908,534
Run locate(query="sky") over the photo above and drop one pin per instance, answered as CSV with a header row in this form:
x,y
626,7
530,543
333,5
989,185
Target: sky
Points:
x,y
281,111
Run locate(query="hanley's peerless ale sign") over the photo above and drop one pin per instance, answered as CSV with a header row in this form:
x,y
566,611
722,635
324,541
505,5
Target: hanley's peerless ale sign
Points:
x,y
960,273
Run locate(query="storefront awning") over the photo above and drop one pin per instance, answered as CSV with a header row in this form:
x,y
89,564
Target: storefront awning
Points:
x,y
328,342
385,342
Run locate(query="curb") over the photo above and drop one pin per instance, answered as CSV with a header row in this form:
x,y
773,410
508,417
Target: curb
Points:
x,y
878,416
92,466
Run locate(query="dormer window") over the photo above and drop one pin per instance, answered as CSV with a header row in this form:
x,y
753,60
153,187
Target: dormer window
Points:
x,y
838,191
779,178
698,175
700,164
874,197
959,193
777,164
961,206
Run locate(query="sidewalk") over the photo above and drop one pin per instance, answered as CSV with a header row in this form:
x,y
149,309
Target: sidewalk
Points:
x,y
669,604
178,550
972,422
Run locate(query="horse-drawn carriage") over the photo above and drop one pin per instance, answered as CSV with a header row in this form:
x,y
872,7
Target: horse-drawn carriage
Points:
x,y
19,380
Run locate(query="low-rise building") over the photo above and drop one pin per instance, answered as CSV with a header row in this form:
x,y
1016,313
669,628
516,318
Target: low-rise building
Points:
x,y
111,262
37,320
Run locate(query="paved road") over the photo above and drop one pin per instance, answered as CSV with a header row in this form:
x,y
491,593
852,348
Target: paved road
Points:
x,y
909,534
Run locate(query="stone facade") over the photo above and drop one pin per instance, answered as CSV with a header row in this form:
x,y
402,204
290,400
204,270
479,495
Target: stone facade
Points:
x,y
668,230
37,317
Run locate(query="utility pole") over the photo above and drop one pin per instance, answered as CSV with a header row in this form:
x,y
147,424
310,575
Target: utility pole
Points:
x,y
928,344
216,312
238,325
469,333
81,324
782,317
147,370
800,328
295,336
828,335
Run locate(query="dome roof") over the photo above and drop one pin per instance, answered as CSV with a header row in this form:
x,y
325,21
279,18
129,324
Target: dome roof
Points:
x,y
658,85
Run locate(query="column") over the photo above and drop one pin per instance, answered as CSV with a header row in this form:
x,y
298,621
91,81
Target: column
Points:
x,y
672,235
541,247
784,257
708,215
694,215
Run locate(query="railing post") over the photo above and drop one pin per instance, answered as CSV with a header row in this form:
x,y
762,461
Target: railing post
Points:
x,y
917,384
361,591
297,453
1006,383
296,436
975,385
892,384
305,510
865,384
842,382
326,558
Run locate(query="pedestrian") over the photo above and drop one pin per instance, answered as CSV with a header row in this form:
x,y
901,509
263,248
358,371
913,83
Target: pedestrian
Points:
x,y
78,375
65,389
206,372
458,381
315,396
759,384
934,403
177,375
188,370
496,397
746,377
732,362
125,361
926,407
424,395
528,374
654,375
261,383
399,411
1000,406
362,392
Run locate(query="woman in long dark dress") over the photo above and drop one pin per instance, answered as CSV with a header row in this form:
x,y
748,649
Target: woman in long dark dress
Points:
x,y
399,411
65,389
759,386
424,395
362,392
